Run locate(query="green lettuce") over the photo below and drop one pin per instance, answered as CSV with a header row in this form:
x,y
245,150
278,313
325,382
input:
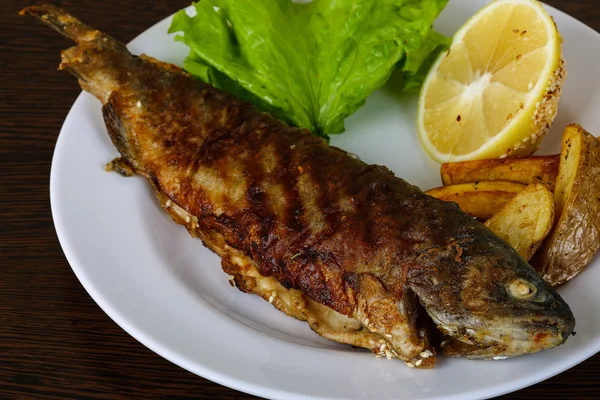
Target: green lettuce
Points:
x,y
311,64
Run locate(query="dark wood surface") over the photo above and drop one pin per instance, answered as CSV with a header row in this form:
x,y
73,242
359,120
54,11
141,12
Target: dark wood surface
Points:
x,y
55,342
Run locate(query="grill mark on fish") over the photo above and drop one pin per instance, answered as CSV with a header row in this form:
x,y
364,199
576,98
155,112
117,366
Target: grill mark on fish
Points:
x,y
309,193
292,209
327,190
276,197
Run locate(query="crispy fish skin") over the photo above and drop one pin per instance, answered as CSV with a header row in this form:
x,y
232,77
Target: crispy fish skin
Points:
x,y
293,216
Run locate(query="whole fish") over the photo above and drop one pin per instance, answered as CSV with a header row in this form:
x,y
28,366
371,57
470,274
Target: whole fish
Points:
x,y
361,255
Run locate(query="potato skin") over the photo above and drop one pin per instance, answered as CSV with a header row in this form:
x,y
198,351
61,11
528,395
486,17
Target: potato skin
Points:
x,y
526,170
478,199
575,238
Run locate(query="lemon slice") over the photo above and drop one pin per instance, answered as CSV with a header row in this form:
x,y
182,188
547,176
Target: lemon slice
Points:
x,y
495,92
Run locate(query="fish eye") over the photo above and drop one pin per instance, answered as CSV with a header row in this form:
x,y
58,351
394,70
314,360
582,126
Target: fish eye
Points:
x,y
521,289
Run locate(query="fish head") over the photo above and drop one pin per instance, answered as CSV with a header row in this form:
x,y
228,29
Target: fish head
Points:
x,y
489,303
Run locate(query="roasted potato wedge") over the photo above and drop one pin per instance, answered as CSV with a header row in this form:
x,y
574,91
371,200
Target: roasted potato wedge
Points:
x,y
526,170
575,237
526,220
479,199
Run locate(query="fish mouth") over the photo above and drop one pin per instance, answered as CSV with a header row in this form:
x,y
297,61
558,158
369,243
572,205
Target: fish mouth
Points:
x,y
505,341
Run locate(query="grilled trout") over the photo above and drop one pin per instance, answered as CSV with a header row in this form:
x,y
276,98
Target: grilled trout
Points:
x,y
362,256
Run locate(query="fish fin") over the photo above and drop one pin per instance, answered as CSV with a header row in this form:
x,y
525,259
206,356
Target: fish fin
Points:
x,y
118,131
120,166
395,318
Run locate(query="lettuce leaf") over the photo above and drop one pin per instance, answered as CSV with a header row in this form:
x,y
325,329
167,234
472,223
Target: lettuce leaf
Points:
x,y
311,63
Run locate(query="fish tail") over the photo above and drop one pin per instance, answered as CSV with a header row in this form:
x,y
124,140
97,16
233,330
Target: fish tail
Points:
x,y
62,22
95,56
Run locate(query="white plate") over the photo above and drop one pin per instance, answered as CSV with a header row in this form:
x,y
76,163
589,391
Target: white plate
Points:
x,y
168,291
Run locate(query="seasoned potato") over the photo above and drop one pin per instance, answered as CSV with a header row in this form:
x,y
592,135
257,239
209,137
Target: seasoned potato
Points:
x,y
525,221
575,238
480,199
526,170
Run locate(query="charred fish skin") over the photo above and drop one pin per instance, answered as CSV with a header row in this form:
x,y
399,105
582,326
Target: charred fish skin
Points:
x,y
280,205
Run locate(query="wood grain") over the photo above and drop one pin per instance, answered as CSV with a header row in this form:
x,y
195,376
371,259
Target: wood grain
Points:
x,y
55,342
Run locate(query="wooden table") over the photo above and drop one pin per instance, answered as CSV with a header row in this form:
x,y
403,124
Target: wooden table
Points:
x,y
55,342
